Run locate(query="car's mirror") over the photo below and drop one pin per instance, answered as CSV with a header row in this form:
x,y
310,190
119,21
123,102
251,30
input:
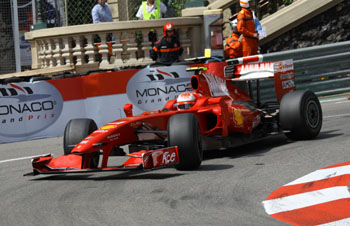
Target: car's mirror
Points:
x,y
128,110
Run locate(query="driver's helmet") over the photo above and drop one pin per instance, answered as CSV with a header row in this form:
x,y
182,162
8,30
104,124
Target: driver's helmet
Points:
x,y
185,101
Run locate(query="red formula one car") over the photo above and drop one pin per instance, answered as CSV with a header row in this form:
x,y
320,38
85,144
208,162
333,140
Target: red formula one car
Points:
x,y
221,112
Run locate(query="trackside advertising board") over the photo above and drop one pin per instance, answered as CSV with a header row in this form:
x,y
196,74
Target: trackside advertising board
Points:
x,y
42,109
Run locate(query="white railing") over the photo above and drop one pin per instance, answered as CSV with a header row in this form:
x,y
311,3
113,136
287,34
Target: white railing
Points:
x,y
75,45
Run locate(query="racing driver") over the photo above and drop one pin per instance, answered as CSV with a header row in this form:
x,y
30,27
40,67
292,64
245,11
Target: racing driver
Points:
x,y
186,100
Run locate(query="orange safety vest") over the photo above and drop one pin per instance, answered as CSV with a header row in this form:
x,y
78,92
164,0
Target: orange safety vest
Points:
x,y
233,47
246,26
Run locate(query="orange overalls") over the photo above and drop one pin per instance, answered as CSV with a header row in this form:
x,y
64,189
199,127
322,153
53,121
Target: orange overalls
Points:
x,y
246,27
233,47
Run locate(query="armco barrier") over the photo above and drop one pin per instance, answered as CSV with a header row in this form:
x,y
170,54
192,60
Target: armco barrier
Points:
x,y
323,69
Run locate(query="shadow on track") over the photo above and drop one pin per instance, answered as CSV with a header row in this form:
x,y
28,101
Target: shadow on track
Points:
x,y
257,148
328,134
131,175
214,167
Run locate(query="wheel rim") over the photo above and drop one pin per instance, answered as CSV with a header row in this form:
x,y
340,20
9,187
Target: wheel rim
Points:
x,y
312,114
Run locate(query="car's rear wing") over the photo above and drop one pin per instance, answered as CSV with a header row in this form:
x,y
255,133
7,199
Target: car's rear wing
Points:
x,y
281,71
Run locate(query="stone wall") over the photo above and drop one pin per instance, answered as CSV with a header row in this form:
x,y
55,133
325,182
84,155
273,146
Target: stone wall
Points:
x,y
114,9
329,27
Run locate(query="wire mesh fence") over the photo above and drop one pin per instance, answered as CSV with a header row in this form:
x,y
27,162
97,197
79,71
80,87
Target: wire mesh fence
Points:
x,y
7,59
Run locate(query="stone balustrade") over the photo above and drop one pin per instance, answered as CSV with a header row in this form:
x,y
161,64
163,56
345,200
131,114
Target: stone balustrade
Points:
x,y
109,45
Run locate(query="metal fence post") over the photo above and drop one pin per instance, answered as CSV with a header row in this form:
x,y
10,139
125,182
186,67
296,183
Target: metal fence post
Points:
x,y
34,11
16,35
66,11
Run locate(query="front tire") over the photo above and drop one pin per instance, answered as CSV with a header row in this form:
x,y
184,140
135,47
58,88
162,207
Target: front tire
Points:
x,y
76,130
301,113
184,132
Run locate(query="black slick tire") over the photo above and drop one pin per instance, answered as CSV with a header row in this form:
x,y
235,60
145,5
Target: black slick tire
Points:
x,y
184,132
76,130
301,114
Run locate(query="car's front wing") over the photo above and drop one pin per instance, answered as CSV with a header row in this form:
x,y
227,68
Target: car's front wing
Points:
x,y
73,163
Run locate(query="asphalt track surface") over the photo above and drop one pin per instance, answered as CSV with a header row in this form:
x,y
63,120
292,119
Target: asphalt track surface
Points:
x,y
227,189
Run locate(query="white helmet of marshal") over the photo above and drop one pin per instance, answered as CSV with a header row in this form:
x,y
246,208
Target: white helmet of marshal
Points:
x,y
185,101
244,3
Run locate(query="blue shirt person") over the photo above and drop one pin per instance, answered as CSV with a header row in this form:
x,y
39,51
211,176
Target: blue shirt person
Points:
x,y
101,12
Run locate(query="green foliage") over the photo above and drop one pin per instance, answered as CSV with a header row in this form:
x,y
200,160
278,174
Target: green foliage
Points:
x,y
287,2
136,6
177,5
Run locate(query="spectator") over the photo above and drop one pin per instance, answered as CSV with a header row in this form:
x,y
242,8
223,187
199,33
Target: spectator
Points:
x,y
233,47
49,13
101,12
168,49
246,27
151,9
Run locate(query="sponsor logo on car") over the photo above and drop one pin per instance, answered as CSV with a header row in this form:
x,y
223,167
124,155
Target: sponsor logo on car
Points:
x,y
169,158
108,127
117,123
257,67
28,109
238,118
288,84
84,142
100,131
151,88
113,137
287,76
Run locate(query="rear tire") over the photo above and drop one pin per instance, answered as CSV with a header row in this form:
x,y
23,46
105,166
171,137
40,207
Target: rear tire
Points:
x,y
76,130
184,132
301,113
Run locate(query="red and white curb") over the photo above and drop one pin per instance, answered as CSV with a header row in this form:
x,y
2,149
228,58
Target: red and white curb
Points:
x,y
319,198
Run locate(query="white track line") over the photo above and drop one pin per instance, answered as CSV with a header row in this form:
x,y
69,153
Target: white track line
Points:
x,y
22,158
342,102
334,100
336,116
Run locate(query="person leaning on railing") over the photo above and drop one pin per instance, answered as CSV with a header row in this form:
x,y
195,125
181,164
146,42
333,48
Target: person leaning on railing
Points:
x,y
246,26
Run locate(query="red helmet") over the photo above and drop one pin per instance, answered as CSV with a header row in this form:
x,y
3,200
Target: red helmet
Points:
x,y
168,27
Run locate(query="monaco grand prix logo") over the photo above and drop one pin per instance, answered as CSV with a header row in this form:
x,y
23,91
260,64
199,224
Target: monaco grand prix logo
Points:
x,y
28,108
151,88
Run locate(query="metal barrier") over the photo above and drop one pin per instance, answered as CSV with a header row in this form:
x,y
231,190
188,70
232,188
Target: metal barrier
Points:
x,y
323,69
